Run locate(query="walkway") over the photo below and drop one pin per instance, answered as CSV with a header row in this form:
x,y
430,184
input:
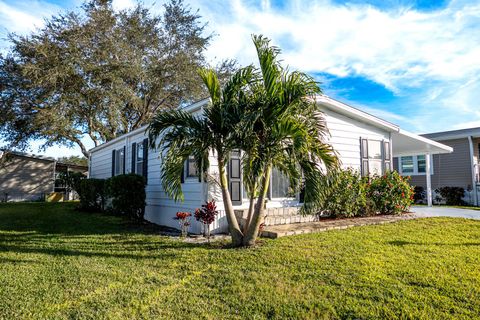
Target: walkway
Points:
x,y
328,224
441,211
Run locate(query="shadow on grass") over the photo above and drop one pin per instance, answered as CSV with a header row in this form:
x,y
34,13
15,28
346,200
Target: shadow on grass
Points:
x,y
408,243
60,230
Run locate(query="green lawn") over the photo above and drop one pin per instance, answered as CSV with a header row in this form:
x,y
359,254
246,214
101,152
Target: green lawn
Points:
x,y
57,263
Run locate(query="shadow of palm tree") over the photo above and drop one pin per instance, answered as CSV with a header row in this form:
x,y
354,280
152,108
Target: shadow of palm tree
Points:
x,y
408,243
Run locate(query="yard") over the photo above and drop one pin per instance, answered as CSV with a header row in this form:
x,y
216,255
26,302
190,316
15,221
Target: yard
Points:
x,y
59,263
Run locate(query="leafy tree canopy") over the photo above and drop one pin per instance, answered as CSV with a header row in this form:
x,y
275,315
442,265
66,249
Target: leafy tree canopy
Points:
x,y
76,160
99,73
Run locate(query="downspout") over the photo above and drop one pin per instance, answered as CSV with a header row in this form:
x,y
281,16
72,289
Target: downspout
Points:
x,y
472,169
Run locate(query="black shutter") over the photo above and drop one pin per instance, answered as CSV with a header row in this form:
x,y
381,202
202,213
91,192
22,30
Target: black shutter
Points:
x,y
235,177
134,157
124,158
113,163
145,159
364,157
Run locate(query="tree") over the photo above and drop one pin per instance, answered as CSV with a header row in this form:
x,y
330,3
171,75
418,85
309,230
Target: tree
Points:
x,y
99,73
76,160
286,130
270,114
183,134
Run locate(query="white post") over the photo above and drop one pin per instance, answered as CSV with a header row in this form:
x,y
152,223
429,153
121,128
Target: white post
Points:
x,y
474,174
429,179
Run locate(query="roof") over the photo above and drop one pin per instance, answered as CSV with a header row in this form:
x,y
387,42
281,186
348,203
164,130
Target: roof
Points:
x,y
189,108
41,157
351,112
403,142
407,142
453,134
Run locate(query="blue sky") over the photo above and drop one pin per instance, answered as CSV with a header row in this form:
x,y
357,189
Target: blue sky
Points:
x,y
414,63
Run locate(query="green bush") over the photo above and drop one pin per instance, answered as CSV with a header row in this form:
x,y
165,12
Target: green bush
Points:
x,y
419,194
128,195
92,193
452,195
389,194
345,194
72,180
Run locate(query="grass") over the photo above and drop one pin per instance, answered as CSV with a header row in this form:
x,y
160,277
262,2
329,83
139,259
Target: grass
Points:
x,y
56,263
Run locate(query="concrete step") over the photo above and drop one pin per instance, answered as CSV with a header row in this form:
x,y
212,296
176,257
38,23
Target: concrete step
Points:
x,y
272,220
277,231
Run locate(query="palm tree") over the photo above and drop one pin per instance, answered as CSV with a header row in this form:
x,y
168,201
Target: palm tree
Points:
x,y
271,115
183,134
285,130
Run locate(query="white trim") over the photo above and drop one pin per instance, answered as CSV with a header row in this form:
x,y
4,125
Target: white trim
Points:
x,y
429,179
444,148
355,113
190,108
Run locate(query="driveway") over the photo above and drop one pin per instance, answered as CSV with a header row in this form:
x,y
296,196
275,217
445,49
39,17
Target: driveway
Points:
x,y
424,211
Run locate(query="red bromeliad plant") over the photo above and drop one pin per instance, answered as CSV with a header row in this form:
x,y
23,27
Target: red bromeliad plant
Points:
x,y
206,215
184,221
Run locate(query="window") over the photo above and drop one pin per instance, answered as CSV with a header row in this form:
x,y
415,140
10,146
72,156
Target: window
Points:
x,y
139,159
280,185
375,157
119,161
407,164
414,165
421,164
192,170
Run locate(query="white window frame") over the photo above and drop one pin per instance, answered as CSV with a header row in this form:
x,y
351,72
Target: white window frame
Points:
x,y
271,197
383,160
187,178
415,166
139,146
119,159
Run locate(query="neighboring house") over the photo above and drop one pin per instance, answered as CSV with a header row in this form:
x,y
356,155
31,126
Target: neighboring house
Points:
x,y
457,169
28,177
362,141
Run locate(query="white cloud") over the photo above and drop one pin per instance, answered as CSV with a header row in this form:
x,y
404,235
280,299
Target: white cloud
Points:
x,y
123,4
25,16
399,49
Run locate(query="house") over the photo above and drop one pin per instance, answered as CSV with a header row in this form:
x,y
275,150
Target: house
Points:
x,y
29,177
363,142
456,169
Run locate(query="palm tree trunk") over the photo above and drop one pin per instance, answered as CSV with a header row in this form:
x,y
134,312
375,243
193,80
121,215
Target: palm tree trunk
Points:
x,y
233,227
249,215
259,213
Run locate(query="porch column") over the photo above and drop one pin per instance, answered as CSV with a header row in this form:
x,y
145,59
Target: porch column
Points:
x,y
429,179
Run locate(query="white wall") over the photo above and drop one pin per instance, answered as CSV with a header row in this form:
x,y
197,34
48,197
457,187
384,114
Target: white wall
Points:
x,y
345,138
160,208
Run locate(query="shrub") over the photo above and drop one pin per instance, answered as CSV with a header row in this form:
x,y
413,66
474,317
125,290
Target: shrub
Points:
x,y
92,193
345,194
452,195
128,195
72,180
418,194
206,215
389,194
184,221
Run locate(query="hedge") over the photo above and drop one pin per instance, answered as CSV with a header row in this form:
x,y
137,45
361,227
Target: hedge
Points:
x,y
128,195
124,193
